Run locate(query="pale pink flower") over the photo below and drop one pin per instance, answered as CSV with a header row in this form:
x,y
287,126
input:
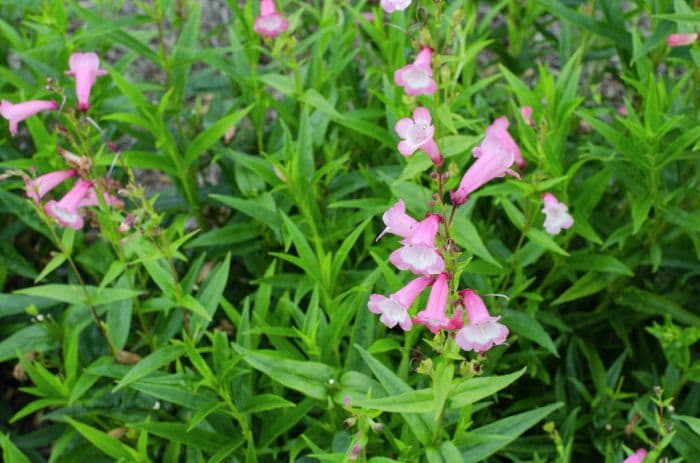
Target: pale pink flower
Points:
x,y
395,5
555,213
394,309
269,23
37,188
622,110
417,133
418,253
679,40
417,78
526,112
636,457
483,330
494,158
434,316
67,210
397,221
368,16
90,199
85,67
16,113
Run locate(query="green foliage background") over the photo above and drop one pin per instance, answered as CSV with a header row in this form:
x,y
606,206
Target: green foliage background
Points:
x,y
254,330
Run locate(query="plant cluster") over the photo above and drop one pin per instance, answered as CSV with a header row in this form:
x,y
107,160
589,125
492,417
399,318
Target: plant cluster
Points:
x,y
192,266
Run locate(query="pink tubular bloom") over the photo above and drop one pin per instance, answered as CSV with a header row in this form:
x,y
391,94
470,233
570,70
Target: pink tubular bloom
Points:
x,y
85,67
395,5
483,331
417,78
494,157
526,112
16,113
90,199
38,187
679,40
417,133
269,23
418,253
397,221
555,213
636,457
394,309
66,211
434,316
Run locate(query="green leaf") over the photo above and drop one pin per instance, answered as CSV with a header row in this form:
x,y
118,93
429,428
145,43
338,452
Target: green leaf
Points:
x,y
146,366
467,236
588,284
597,262
309,378
212,134
528,327
10,453
655,304
619,37
35,338
487,440
197,438
104,442
419,424
74,294
475,389
545,240
691,421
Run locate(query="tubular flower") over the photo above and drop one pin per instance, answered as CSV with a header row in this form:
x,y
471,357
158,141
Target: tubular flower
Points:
x,y
16,113
395,5
38,187
418,253
636,457
417,133
90,199
679,40
397,221
494,157
269,23
434,316
526,112
394,309
417,78
483,330
85,67
555,213
66,211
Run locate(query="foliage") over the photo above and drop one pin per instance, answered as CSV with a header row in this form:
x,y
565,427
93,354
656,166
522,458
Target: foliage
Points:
x,y
221,315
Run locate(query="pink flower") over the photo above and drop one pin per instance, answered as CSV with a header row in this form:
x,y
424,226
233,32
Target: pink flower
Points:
x,y
397,221
417,133
66,211
555,213
434,314
526,112
494,157
679,40
483,330
38,187
395,5
418,253
90,199
16,113
417,78
394,309
269,23
636,457
85,67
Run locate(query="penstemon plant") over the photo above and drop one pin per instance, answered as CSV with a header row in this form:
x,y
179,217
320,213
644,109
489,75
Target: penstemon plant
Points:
x,y
191,263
